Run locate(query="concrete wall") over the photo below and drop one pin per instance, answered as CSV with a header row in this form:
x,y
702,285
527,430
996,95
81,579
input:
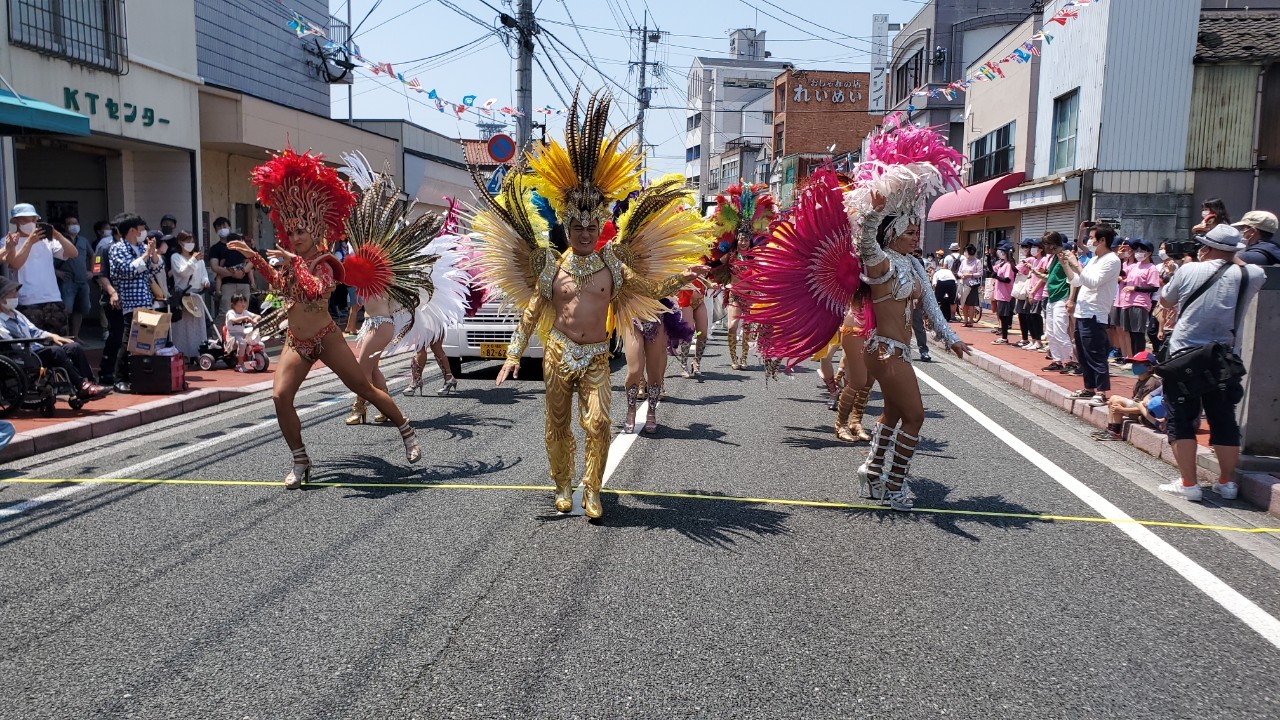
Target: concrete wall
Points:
x,y
225,182
247,47
1260,345
1154,217
990,106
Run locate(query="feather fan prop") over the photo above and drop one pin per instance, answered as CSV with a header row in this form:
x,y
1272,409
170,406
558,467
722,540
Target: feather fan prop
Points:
x,y
806,276
388,257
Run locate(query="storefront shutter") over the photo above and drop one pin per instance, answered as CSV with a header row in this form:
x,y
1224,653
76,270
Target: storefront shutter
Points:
x,y
1063,218
1035,222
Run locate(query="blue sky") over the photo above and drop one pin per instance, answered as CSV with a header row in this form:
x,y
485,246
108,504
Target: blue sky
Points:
x,y
812,34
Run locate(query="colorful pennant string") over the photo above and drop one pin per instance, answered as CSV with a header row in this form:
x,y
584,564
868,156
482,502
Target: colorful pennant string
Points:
x,y
305,28
991,70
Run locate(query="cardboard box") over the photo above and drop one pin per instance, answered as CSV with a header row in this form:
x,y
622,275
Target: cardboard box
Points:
x,y
149,332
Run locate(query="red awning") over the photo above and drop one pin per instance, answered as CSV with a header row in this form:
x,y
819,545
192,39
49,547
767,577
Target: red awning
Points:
x,y
977,199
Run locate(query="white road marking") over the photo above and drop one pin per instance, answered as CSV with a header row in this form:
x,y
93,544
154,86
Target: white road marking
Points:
x,y
1231,600
617,450
187,451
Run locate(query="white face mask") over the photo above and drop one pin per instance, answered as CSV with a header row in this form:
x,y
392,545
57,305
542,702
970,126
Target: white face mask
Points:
x,y
223,232
10,304
107,234
27,228
1035,252
73,229
188,247
1163,255
1204,214
1141,256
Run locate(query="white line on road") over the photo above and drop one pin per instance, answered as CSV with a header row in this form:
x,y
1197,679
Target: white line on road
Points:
x,y
187,451
1231,600
617,450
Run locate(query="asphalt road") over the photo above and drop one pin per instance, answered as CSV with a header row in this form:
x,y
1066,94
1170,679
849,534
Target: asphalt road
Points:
x,y
386,598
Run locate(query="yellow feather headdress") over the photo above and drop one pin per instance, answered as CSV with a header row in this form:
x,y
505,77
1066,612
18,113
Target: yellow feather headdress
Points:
x,y
583,177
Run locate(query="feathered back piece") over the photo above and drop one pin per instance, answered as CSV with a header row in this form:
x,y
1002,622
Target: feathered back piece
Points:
x,y
591,170
509,248
905,165
658,236
743,215
303,194
807,275
388,248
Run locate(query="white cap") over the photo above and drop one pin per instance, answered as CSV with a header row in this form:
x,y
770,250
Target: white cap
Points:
x,y
954,246
24,210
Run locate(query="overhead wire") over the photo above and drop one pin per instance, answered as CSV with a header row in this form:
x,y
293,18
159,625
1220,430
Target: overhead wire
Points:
x,y
394,17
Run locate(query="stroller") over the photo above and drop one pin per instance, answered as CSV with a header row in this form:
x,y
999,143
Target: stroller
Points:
x,y
219,347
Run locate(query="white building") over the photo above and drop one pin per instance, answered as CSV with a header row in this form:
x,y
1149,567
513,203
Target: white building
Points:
x,y
134,77
730,99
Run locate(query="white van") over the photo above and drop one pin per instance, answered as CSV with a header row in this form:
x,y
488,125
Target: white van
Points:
x,y
485,336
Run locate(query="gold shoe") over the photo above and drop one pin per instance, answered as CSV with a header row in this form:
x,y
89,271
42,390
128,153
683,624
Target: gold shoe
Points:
x,y
591,501
860,432
358,412
844,433
564,496
380,418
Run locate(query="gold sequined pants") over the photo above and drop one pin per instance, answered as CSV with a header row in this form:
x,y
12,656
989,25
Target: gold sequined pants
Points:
x,y
593,388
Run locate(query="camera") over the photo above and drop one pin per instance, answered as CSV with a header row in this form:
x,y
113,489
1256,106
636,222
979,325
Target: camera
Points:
x,y
1178,249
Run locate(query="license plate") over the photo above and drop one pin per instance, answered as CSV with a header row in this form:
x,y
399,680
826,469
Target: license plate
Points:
x,y
495,351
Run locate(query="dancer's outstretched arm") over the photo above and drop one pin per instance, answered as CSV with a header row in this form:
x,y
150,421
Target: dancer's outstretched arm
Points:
x,y
520,338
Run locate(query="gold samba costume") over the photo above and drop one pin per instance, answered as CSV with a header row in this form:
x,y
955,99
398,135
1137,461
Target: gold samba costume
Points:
x,y
657,240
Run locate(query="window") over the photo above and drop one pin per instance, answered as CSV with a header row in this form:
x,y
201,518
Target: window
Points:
x,y
991,155
1065,110
908,76
694,121
768,118
87,32
746,83
693,153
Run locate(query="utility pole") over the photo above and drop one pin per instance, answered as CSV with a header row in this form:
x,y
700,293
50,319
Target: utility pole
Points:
x,y
525,29
351,87
644,93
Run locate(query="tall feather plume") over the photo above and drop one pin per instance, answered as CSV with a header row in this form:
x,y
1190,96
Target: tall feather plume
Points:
x,y
387,258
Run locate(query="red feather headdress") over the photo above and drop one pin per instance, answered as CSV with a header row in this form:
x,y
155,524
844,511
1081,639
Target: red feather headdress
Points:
x,y
303,194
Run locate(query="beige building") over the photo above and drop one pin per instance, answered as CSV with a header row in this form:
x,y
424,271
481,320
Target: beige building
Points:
x,y
238,132
140,98
999,143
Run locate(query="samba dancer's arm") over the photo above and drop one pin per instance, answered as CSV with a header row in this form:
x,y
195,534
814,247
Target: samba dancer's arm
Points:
x,y
528,325
294,276
875,261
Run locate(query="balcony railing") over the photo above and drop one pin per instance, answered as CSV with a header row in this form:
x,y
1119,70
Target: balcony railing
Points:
x,y
85,32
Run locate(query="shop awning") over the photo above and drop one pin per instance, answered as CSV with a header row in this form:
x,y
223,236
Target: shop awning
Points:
x,y
977,199
24,116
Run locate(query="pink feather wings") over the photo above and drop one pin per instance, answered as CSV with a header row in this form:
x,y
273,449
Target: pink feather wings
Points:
x,y
807,275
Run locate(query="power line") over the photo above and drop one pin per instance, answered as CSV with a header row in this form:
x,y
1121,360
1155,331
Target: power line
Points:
x,y
393,17
356,29
606,78
555,67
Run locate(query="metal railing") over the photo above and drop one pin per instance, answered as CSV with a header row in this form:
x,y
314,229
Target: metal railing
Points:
x,y
85,32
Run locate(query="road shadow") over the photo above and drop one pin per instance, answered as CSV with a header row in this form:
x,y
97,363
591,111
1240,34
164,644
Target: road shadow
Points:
x,y
821,437
460,425
720,525
709,400
695,431
388,474
932,495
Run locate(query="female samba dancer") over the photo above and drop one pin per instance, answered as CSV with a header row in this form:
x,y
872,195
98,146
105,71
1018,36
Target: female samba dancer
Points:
x,y
309,205
645,344
852,403
693,309
905,166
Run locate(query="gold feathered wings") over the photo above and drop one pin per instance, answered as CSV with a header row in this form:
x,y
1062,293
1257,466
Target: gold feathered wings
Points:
x,y
658,237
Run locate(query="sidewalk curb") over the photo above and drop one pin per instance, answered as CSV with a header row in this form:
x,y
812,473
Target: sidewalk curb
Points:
x,y
55,437
1259,489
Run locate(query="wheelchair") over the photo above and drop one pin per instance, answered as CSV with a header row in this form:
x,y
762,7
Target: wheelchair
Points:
x,y
26,383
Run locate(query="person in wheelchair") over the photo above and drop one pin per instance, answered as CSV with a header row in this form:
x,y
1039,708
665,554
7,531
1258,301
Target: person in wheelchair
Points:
x,y
63,353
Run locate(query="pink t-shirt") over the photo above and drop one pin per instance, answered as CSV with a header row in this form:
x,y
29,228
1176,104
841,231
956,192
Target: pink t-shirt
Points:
x,y
1137,275
1003,292
1036,287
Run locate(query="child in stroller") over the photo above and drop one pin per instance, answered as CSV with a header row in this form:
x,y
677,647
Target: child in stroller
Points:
x,y
242,347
